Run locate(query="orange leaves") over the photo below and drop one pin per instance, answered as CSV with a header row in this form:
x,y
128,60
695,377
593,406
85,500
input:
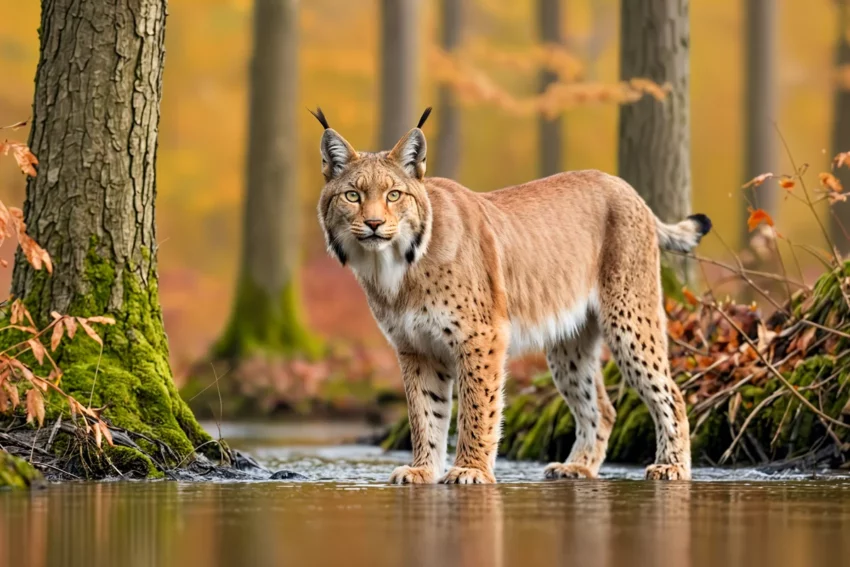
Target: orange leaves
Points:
x,y
12,219
22,154
12,224
757,217
35,406
786,183
830,182
690,297
66,323
473,86
841,159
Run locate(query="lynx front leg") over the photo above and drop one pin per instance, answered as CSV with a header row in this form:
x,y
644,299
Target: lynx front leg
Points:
x,y
429,408
480,380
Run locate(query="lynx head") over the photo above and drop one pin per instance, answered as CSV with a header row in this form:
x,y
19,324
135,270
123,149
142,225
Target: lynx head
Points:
x,y
375,204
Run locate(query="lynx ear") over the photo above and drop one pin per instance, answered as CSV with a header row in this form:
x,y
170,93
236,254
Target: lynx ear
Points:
x,y
337,153
410,152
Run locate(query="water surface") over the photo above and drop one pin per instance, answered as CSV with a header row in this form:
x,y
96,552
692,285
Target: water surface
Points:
x,y
345,514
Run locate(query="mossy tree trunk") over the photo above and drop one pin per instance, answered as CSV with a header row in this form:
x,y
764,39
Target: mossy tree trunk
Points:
x,y
266,316
95,117
654,152
550,130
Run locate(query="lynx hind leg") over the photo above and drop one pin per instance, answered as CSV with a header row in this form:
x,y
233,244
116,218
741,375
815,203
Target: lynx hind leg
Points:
x,y
634,325
575,368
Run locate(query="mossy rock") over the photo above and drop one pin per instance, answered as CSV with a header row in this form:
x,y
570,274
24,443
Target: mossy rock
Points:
x,y
16,473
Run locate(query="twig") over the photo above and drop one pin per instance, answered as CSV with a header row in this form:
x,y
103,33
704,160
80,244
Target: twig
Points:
x,y
778,374
94,381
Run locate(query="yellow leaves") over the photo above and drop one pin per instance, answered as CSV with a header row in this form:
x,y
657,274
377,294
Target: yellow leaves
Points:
x,y
757,217
22,154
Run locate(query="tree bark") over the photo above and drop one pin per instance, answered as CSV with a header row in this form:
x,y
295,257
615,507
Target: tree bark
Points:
x,y
550,134
95,117
760,105
654,143
448,119
840,217
266,315
400,40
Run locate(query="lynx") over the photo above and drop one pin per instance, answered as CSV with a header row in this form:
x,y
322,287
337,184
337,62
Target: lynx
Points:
x,y
458,280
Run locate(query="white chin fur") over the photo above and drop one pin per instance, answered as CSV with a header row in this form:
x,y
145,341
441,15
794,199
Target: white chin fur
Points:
x,y
381,263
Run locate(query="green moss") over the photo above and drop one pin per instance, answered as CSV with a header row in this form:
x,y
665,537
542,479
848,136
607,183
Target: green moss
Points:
x,y
16,473
266,323
130,378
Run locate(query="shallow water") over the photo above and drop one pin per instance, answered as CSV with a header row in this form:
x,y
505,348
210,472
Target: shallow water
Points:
x,y
345,514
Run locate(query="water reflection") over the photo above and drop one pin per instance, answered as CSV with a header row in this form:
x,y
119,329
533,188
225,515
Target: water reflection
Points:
x,y
604,523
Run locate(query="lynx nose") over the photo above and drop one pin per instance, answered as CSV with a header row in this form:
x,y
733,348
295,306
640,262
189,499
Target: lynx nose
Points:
x,y
373,223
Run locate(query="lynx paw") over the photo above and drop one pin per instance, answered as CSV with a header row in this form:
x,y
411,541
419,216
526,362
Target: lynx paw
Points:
x,y
667,472
463,475
557,471
412,475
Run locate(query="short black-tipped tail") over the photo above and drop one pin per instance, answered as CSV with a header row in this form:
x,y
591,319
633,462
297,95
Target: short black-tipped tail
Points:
x,y
682,236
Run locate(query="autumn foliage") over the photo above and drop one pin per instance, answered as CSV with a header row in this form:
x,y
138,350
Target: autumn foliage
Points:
x,y
17,376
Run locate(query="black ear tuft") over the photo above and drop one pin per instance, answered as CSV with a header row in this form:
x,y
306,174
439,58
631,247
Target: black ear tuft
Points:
x,y
320,116
425,116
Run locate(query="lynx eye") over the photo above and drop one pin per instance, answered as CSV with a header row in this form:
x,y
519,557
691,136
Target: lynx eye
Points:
x,y
352,196
393,196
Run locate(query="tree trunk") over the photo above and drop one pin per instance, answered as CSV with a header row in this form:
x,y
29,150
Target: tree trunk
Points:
x,y
840,218
266,316
550,133
400,39
655,144
761,105
448,119
94,129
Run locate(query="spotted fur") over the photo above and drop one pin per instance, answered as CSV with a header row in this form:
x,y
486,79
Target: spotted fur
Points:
x,y
455,279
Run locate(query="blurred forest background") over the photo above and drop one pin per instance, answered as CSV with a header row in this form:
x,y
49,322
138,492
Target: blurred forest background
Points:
x,y
204,152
